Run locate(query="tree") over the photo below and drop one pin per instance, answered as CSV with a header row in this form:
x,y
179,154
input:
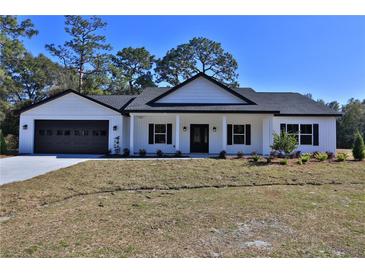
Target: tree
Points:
x,y
3,148
198,55
134,65
352,119
84,53
358,150
284,142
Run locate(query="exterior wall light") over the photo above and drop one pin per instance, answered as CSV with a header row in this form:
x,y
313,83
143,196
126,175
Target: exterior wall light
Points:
x,y
115,128
25,126
185,129
214,129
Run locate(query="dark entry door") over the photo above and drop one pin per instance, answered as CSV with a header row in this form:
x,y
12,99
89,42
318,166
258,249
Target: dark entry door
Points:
x,y
71,136
199,138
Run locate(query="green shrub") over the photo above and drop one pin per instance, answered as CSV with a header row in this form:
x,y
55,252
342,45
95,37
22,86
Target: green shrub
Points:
x,y
342,157
284,142
300,161
284,162
142,152
3,149
159,153
222,154
304,158
358,150
239,154
321,156
178,153
256,157
126,152
12,142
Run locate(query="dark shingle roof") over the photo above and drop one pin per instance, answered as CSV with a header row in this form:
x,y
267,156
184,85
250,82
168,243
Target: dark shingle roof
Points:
x,y
115,101
279,103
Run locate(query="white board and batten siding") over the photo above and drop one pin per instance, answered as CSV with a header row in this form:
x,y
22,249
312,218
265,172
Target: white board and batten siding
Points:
x,y
201,91
68,107
326,135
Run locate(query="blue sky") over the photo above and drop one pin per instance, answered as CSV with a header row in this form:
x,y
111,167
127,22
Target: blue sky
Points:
x,y
322,55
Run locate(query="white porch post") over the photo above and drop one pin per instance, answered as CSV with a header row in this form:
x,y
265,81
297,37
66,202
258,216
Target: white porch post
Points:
x,y
224,132
177,132
131,134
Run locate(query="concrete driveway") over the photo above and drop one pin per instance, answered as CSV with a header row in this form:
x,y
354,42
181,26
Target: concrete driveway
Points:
x,y
25,167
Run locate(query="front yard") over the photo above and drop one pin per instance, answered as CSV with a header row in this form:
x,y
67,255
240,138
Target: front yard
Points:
x,y
187,208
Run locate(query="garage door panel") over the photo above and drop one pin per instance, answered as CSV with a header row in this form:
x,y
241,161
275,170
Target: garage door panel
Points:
x,y
71,136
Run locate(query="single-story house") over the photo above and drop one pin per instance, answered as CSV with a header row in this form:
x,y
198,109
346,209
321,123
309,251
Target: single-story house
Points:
x,y
199,115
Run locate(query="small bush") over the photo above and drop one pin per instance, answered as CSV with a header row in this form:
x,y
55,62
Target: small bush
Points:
x,y
269,160
284,143
256,157
159,153
178,153
239,154
142,152
304,158
358,150
284,162
342,157
300,162
12,142
222,154
3,148
126,152
330,155
321,156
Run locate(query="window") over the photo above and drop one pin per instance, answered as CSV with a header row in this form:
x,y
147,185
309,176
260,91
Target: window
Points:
x,y
49,132
302,132
306,134
41,132
160,133
238,134
59,132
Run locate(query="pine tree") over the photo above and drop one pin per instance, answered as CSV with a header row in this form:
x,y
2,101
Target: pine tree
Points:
x,y
358,149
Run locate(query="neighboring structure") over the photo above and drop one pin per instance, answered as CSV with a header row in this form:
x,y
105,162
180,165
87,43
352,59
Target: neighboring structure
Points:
x,y
200,115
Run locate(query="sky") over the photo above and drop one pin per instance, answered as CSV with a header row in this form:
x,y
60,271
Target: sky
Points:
x,y
321,55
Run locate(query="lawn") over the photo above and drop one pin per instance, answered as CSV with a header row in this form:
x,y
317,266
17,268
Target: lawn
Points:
x,y
188,208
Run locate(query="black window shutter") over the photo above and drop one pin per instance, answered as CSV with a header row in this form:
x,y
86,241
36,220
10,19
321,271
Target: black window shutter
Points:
x,y
169,134
150,133
282,127
315,134
248,135
229,134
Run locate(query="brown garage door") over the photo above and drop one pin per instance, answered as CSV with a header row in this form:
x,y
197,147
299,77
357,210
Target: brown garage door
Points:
x,y
71,136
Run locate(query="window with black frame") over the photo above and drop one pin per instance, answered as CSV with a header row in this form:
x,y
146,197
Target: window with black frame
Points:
x,y
238,134
160,133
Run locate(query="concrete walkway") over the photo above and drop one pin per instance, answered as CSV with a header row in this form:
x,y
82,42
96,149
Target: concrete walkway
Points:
x,y
25,167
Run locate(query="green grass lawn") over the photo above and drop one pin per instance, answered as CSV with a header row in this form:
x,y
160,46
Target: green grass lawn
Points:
x,y
189,208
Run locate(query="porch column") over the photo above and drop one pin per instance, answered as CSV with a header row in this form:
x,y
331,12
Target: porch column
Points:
x,y
177,132
131,134
224,132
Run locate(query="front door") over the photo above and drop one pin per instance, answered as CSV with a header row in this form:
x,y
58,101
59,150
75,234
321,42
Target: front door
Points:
x,y
199,138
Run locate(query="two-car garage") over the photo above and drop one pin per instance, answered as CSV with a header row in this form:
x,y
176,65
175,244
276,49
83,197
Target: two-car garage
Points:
x,y
71,136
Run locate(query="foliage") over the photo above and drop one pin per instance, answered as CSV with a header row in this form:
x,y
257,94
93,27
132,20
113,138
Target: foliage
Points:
x,y
126,152
222,154
358,150
255,157
284,162
134,65
198,55
304,158
300,162
159,153
83,53
284,142
239,154
342,157
321,156
142,152
3,148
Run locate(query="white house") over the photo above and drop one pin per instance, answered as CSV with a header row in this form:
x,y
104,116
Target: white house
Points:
x,y
199,115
